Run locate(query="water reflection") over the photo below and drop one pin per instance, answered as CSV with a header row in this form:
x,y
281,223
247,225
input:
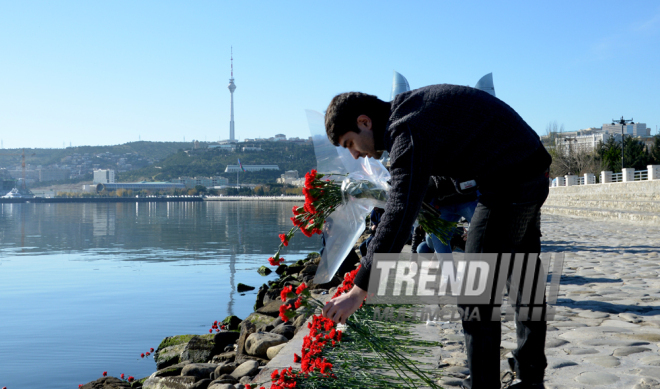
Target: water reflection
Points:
x,y
153,232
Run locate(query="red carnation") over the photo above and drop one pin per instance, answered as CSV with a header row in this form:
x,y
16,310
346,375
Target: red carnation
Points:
x,y
142,355
296,358
122,376
300,289
130,378
148,353
284,239
275,262
105,373
287,289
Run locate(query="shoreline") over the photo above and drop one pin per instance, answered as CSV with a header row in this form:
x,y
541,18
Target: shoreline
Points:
x,y
237,350
41,200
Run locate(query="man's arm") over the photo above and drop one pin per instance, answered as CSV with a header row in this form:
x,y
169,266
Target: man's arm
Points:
x,y
410,170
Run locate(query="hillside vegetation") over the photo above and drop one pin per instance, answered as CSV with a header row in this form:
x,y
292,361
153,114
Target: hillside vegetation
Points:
x,y
212,162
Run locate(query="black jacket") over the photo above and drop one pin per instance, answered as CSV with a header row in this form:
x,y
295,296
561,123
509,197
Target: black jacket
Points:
x,y
452,131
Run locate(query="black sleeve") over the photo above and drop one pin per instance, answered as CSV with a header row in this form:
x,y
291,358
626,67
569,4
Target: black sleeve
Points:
x,y
410,170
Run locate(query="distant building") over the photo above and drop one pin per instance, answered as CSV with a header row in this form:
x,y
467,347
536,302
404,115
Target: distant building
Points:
x,y
485,84
588,143
280,137
251,148
224,146
288,177
144,185
209,182
250,168
53,174
104,176
399,85
635,129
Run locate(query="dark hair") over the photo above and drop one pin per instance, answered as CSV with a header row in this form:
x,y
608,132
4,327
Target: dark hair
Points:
x,y
344,109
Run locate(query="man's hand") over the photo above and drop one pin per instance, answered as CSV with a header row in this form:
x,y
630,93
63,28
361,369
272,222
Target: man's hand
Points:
x,y
340,308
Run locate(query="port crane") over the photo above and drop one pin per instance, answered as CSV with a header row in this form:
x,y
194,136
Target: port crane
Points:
x,y
22,155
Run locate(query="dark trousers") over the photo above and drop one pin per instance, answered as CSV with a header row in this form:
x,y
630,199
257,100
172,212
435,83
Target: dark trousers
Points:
x,y
506,223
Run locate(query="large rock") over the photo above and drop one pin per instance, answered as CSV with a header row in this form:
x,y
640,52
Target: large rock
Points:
x,y
294,269
223,339
271,309
169,350
260,296
240,288
107,383
258,343
247,328
224,357
272,294
224,368
180,382
273,351
202,384
221,386
285,330
199,370
171,371
258,319
244,358
249,368
231,323
264,271
197,350
168,356
281,269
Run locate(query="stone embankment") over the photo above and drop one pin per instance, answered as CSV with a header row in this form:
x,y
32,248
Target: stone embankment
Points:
x,y
637,201
231,357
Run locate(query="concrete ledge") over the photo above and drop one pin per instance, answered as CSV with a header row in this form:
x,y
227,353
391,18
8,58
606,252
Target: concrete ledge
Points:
x,y
637,190
608,214
621,205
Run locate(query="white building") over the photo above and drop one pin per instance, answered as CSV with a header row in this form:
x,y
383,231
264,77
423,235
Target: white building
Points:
x,y
209,182
634,129
588,143
104,176
250,168
288,177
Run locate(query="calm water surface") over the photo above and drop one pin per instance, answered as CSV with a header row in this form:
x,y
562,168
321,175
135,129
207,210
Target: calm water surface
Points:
x,y
86,288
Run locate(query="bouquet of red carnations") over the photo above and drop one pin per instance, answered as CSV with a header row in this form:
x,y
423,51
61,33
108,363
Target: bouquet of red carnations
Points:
x,y
325,196
320,368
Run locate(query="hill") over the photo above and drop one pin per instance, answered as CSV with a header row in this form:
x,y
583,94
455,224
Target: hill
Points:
x,y
45,157
212,162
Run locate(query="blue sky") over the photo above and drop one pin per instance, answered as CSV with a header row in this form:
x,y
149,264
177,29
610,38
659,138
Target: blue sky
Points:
x,y
110,72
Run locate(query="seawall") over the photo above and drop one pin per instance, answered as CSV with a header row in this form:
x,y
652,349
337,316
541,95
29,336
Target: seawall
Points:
x,y
637,201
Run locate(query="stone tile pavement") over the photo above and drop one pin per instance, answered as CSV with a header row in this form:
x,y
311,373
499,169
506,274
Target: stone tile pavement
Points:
x,y
607,328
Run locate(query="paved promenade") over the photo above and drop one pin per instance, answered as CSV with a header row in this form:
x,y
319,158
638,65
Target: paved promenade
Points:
x,y
607,328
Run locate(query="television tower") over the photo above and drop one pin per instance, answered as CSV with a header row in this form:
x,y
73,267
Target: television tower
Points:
x,y
232,88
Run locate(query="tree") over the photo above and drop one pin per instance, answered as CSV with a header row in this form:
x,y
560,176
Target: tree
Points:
x,y
610,153
654,156
635,154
